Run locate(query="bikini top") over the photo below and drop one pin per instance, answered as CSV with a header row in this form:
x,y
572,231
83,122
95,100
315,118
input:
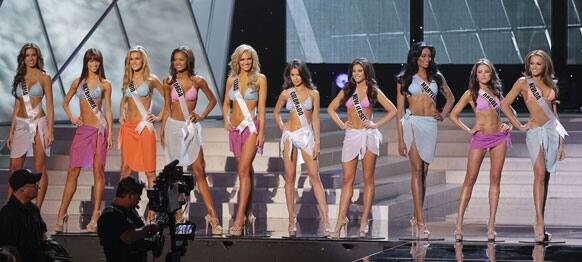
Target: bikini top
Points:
x,y
307,104
365,103
251,93
482,104
142,90
95,93
415,88
32,91
530,95
191,95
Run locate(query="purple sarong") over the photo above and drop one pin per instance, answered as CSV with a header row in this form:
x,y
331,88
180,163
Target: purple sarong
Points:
x,y
488,141
85,143
237,140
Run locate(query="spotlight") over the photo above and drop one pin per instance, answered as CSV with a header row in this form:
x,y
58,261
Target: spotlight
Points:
x,y
341,80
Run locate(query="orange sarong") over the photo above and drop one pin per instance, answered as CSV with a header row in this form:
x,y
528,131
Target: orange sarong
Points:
x,y
138,150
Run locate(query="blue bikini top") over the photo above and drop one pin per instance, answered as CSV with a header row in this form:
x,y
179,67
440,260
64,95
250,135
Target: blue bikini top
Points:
x,y
415,87
95,93
32,91
307,104
142,90
251,93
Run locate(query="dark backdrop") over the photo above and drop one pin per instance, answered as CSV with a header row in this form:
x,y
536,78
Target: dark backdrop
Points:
x,y
261,24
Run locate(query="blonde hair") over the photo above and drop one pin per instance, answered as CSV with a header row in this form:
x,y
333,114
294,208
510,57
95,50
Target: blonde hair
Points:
x,y
128,75
548,74
235,67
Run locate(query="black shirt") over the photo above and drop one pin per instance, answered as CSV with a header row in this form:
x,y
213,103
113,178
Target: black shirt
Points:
x,y
113,222
22,226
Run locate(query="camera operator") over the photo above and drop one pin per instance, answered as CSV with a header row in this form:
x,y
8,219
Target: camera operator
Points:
x,y
120,228
21,225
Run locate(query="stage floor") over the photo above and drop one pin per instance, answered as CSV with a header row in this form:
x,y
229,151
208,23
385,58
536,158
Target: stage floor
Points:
x,y
513,244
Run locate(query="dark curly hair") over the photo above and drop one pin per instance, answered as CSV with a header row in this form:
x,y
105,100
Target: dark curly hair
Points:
x,y
371,82
411,67
21,69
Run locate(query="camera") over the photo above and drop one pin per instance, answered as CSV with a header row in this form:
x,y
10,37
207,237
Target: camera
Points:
x,y
171,189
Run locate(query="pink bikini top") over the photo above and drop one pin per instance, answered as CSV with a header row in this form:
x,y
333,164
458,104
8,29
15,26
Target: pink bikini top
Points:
x,y
530,95
364,103
483,105
190,95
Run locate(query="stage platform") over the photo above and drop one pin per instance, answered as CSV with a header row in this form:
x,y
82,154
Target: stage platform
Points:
x,y
392,205
310,246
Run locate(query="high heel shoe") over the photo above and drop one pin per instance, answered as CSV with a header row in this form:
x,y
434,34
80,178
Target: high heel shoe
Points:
x,y
364,229
237,230
292,228
213,224
422,231
326,230
547,236
341,223
92,227
63,225
252,219
539,236
458,235
413,227
491,234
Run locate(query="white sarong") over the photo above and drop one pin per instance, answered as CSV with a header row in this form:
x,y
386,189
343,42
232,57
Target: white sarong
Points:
x,y
176,147
358,141
24,133
423,130
547,138
301,138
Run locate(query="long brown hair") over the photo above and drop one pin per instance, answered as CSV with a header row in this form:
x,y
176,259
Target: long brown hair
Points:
x,y
304,73
494,84
90,55
548,76
370,75
21,69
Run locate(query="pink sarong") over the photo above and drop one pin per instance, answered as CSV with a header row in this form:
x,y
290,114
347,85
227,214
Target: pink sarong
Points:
x,y
488,141
238,139
84,146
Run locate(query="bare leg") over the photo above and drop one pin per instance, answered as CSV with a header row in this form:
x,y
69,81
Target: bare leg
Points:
x,y
349,169
417,184
317,186
40,166
245,162
369,166
540,193
497,155
290,166
98,184
474,161
198,167
69,191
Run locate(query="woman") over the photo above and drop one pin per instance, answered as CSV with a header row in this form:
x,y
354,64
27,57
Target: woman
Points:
x,y
137,136
92,139
246,91
545,135
300,133
489,133
362,140
31,130
182,132
419,83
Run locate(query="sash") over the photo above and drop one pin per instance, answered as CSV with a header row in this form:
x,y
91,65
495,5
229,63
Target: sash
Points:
x,y
31,112
358,107
298,108
248,119
494,105
142,111
544,105
93,105
189,129
426,89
